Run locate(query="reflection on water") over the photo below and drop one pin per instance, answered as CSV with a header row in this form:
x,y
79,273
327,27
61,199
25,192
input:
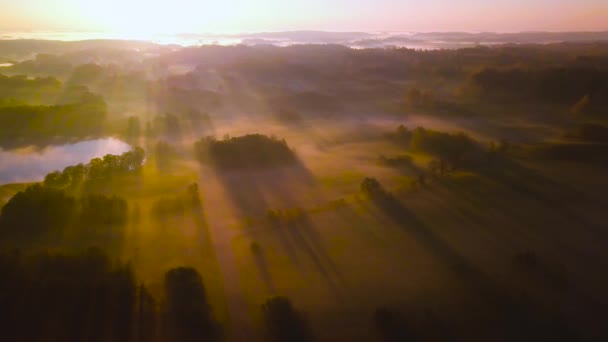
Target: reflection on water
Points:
x,y
5,65
29,164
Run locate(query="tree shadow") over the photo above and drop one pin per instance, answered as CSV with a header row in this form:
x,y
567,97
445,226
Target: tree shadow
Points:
x,y
531,184
254,191
259,257
516,318
282,233
297,234
308,234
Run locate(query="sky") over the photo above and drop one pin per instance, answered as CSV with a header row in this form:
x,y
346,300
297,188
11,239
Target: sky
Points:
x,y
231,16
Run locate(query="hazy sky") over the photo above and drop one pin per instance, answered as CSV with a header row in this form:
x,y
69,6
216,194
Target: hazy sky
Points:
x,y
146,16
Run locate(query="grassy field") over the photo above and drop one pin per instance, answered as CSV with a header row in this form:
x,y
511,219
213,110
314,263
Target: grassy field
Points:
x,y
469,253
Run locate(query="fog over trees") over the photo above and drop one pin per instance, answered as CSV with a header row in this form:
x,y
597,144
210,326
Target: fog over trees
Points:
x,y
349,191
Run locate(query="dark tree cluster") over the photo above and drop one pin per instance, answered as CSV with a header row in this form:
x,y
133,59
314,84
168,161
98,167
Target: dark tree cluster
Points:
x,y
284,323
371,187
97,171
22,125
566,85
187,314
244,152
36,212
42,212
88,297
103,210
24,89
454,150
65,298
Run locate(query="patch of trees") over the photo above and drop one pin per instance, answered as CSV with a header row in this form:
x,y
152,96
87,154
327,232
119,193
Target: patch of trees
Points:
x,y
566,85
248,151
43,64
36,212
372,188
35,90
98,171
41,213
89,297
81,297
187,314
284,323
453,150
22,125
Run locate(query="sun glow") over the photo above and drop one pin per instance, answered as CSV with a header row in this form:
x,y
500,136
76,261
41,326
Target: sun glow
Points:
x,y
144,19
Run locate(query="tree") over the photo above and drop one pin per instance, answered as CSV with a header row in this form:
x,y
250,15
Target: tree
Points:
x,y
35,212
188,315
284,323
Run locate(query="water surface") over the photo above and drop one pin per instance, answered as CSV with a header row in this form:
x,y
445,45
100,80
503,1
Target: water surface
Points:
x,y
31,164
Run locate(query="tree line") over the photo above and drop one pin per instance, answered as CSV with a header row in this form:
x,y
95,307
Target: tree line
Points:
x,y
89,297
98,171
22,124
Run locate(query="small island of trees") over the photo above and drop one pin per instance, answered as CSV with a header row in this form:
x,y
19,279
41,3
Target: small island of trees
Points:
x,y
245,152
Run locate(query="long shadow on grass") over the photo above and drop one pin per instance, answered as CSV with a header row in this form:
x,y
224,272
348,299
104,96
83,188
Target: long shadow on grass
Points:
x,y
254,191
259,257
531,184
517,319
298,234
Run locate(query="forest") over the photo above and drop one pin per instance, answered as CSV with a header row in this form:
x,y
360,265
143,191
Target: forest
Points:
x,y
312,192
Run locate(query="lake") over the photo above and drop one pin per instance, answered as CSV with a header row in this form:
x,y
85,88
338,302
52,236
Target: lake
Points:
x,y
32,164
